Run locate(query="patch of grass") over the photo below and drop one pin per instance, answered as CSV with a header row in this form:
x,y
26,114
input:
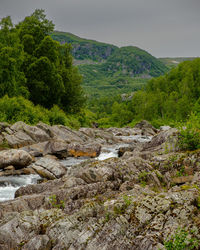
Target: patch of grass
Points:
x,y
55,203
181,240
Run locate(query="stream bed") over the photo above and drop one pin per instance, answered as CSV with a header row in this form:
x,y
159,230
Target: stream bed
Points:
x,y
9,184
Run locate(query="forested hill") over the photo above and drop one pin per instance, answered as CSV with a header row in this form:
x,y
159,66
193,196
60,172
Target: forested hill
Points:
x,y
109,70
128,60
134,61
84,49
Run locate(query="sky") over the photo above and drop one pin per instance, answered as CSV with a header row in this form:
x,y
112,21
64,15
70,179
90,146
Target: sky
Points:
x,y
165,28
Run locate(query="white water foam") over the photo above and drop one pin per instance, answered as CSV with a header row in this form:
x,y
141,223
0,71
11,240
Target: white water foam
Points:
x,y
9,185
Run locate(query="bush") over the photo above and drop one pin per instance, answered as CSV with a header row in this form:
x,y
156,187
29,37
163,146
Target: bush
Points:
x,y
20,109
189,138
57,116
182,240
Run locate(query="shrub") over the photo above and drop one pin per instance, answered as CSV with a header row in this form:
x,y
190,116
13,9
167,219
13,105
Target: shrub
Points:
x,y
189,138
182,240
20,109
57,116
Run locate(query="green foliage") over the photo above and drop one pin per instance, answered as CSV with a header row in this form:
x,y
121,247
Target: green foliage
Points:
x,y
35,66
84,48
55,203
182,240
180,172
134,61
127,200
20,109
189,138
143,178
168,99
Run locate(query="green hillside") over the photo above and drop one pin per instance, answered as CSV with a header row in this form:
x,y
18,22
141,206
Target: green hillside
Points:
x,y
134,61
109,70
83,49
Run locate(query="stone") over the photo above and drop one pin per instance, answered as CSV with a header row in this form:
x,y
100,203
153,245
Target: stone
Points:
x,y
18,139
58,148
124,149
39,242
17,158
36,150
182,179
36,134
146,128
86,150
165,141
49,168
9,168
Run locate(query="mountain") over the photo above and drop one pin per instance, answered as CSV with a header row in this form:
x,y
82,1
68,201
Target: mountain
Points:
x,y
134,61
128,60
109,70
84,49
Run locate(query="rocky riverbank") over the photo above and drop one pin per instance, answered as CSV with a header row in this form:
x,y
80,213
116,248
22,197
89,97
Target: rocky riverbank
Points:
x,y
136,201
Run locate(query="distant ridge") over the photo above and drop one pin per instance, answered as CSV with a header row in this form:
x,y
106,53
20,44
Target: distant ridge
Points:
x,y
110,70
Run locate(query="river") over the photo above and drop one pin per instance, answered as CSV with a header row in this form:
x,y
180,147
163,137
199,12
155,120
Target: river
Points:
x,y
9,184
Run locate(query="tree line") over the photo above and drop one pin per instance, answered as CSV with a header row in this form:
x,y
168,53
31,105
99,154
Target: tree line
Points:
x,y
36,67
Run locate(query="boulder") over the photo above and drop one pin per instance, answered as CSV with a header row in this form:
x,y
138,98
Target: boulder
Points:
x,y
146,128
58,148
124,149
49,168
66,134
99,135
52,147
14,157
36,150
87,150
36,133
18,139
183,179
166,141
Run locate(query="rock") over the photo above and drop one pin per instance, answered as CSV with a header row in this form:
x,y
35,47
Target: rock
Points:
x,y
9,168
39,242
3,126
58,148
36,150
165,141
17,158
124,149
87,150
36,134
146,128
182,179
99,135
49,168
66,134
18,139
164,128
118,203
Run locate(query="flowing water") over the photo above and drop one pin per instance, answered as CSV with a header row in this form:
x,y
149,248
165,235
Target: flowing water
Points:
x,y
9,184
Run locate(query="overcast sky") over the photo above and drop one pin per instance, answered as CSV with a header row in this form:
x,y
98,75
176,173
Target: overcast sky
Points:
x,y
162,27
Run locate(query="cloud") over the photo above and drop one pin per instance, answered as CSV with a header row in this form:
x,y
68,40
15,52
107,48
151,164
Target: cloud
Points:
x,y
164,28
